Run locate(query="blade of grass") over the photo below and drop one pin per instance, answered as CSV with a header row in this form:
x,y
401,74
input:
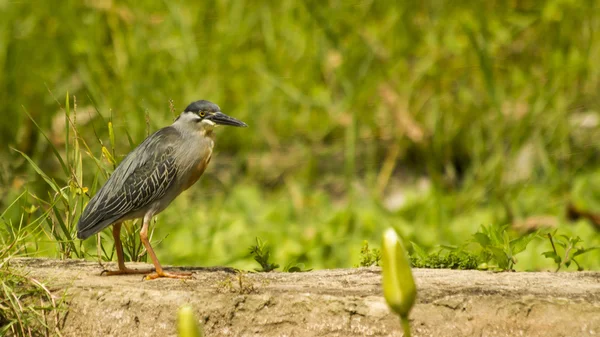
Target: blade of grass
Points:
x,y
67,126
50,181
65,230
52,147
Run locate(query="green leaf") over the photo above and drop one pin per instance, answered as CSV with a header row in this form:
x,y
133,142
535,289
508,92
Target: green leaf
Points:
x,y
48,180
580,251
552,255
500,256
482,239
506,240
567,239
419,251
520,244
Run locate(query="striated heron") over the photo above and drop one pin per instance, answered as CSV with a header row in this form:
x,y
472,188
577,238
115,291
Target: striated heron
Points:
x,y
165,164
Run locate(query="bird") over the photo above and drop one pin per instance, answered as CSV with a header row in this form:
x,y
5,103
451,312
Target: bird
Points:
x,y
150,177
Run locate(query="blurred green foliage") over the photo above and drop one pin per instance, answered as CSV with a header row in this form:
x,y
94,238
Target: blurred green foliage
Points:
x,y
431,117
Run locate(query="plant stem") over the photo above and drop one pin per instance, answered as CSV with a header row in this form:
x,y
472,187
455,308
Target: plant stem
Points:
x,y
554,248
405,325
552,243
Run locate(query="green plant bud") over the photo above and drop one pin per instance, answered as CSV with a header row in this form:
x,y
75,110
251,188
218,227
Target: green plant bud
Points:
x,y
111,134
108,156
186,323
399,287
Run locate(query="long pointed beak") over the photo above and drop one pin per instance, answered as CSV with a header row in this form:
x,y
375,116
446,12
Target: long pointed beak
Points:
x,y
223,119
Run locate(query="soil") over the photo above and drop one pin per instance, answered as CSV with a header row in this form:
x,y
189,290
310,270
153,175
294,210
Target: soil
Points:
x,y
341,302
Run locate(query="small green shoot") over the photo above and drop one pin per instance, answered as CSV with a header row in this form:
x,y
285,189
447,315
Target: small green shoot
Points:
x,y
294,267
498,249
369,257
446,257
569,248
261,254
238,284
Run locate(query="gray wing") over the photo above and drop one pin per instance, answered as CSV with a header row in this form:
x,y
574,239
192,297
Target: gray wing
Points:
x,y
143,177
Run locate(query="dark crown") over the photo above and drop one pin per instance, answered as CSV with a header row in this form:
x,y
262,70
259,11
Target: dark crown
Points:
x,y
202,105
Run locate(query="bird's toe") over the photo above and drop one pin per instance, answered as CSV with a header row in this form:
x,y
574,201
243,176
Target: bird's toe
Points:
x,y
175,275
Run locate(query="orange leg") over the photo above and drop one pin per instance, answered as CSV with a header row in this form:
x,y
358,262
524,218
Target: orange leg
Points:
x,y
159,270
121,260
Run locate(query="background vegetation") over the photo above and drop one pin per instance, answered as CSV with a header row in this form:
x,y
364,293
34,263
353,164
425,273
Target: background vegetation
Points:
x,y
434,117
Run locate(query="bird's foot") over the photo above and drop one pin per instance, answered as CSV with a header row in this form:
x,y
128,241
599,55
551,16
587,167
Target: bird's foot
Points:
x,y
126,271
178,275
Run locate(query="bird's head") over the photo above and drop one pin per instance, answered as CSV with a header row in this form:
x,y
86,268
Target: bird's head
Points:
x,y
208,115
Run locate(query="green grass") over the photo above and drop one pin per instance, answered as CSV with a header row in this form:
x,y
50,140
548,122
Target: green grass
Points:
x,y
27,306
432,118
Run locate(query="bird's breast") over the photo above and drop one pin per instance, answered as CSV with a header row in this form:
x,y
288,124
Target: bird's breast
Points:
x,y
201,162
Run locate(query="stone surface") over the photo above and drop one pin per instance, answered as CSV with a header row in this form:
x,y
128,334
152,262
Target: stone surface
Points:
x,y
342,302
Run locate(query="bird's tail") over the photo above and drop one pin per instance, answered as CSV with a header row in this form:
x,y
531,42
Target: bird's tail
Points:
x,y
87,227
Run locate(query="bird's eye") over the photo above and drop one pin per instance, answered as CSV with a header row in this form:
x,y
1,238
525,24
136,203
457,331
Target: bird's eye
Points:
x,y
201,113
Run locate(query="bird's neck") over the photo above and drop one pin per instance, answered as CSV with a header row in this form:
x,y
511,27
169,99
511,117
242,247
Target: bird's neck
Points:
x,y
202,130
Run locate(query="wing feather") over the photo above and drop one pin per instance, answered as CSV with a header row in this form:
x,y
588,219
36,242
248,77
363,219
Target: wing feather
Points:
x,y
143,177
